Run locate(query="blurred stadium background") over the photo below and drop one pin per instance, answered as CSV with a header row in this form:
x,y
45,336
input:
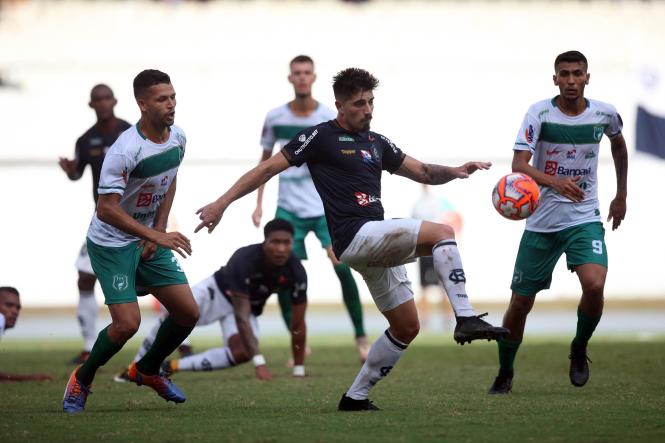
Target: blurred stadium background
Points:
x,y
456,80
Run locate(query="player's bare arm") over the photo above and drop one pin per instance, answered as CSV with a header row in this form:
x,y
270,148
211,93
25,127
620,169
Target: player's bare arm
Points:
x,y
109,211
242,311
211,214
258,212
566,186
298,334
618,205
161,220
432,174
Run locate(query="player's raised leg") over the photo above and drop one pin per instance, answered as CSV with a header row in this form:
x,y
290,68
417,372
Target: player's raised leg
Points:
x,y
438,240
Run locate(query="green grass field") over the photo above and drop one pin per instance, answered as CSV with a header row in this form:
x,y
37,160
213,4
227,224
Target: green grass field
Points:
x,y
437,392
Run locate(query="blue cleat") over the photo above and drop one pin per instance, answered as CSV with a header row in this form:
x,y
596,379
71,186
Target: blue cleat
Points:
x,y
164,387
76,393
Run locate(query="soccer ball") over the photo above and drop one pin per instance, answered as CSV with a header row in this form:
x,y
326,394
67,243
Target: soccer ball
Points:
x,y
516,196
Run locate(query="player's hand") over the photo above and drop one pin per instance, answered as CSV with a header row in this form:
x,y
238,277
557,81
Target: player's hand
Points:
x,y
569,188
262,373
210,216
149,249
617,211
69,166
174,241
469,168
256,216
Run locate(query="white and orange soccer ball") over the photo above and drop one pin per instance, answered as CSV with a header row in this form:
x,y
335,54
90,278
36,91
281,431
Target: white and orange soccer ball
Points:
x,y
516,196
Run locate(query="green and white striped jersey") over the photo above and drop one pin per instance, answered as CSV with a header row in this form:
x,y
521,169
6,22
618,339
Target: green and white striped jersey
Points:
x,y
297,193
141,172
566,146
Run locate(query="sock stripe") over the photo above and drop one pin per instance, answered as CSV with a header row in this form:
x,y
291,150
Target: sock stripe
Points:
x,y
394,341
445,243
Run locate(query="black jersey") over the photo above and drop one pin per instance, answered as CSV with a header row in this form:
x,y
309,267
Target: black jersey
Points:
x,y
91,148
346,170
247,273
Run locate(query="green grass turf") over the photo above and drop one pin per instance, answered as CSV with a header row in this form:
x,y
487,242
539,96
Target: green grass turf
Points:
x,y
437,392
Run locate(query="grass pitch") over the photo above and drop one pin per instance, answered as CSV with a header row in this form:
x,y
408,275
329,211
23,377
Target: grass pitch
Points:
x,y
437,392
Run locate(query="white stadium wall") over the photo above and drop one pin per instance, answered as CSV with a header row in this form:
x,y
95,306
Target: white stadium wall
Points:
x,y
456,79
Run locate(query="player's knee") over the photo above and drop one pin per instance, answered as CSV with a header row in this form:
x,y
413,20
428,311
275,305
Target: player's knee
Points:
x,y
444,232
126,328
86,282
520,305
407,331
189,317
594,288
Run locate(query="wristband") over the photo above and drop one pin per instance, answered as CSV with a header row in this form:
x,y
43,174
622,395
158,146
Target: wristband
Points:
x,y
299,371
258,360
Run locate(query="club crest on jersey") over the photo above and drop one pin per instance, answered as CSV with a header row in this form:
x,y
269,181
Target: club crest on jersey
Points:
x,y
528,134
120,282
366,157
598,133
302,138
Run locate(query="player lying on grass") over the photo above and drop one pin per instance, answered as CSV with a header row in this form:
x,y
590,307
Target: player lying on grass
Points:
x,y
235,296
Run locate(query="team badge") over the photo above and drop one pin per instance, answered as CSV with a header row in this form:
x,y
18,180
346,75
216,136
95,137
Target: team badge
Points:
x,y
120,282
366,156
302,138
598,132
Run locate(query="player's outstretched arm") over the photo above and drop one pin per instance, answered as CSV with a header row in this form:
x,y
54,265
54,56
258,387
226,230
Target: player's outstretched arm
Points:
x,y
618,205
258,212
242,311
298,338
566,186
109,211
211,214
432,174
71,168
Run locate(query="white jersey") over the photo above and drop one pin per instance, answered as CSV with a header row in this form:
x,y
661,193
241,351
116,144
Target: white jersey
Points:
x,y
141,172
2,324
297,193
566,146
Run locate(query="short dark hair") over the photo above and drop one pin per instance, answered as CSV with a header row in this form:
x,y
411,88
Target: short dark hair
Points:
x,y
570,57
9,289
277,224
148,78
301,59
99,86
352,80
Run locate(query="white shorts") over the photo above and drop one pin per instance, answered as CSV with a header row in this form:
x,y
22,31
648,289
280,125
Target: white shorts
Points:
x,y
83,261
213,306
378,252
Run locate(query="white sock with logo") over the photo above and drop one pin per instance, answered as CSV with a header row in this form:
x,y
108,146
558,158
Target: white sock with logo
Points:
x,y
216,358
86,313
382,357
448,265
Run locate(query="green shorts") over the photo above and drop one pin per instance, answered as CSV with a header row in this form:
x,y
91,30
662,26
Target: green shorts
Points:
x,y
540,251
302,227
120,269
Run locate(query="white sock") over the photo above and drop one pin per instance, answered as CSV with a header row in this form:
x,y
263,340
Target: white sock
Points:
x,y
216,358
448,265
382,357
147,342
86,312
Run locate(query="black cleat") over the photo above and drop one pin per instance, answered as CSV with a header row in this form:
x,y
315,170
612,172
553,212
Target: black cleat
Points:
x,y
503,383
579,365
349,404
474,328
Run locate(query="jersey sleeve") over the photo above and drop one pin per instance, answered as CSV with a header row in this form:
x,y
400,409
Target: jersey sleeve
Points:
x,y
302,148
299,289
393,157
527,137
615,125
238,272
81,159
268,135
114,175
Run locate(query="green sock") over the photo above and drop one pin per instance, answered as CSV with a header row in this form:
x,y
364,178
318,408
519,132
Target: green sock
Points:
x,y
507,352
168,338
585,327
351,297
284,298
101,352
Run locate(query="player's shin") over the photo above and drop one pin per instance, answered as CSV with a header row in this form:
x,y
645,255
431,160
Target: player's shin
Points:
x,y
448,265
101,352
217,358
383,356
86,312
168,338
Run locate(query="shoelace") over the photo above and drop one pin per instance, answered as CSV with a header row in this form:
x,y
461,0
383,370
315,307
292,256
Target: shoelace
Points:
x,y
76,391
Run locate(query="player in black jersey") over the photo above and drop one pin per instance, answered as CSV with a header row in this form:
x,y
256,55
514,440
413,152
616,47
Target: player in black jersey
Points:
x,y
235,296
90,150
346,160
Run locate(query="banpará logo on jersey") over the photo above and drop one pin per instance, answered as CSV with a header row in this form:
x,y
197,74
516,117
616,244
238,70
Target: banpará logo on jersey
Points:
x,y
120,282
306,142
366,157
598,132
571,154
572,171
364,199
589,155
528,134
550,167
302,138
145,199
345,138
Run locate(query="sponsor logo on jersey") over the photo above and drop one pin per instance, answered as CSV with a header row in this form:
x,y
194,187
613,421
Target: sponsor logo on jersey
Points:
x,y
165,180
598,132
589,155
554,151
528,134
392,145
570,155
302,138
124,175
136,156
572,171
347,151
371,138
96,152
306,142
366,157
120,282
95,141
145,199
346,138
550,167
364,199
139,216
